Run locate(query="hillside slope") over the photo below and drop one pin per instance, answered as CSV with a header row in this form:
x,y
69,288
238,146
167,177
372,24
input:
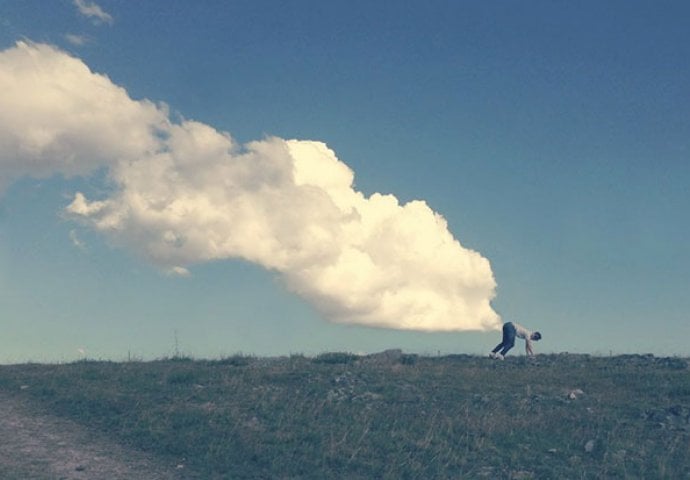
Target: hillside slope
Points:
x,y
383,416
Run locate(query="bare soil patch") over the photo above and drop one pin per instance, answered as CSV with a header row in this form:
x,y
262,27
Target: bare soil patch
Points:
x,y
37,445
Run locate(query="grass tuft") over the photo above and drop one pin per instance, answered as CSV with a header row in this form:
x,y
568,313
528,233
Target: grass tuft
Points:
x,y
336,358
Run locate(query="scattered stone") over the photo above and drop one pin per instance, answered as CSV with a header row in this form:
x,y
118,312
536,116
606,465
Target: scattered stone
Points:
x,y
369,396
486,472
552,450
620,454
589,446
335,395
676,417
253,424
575,393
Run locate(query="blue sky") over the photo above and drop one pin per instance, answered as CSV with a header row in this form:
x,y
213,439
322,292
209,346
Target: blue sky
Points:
x,y
552,136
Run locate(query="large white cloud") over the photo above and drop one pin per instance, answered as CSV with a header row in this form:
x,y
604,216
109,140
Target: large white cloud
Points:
x,y
56,116
185,193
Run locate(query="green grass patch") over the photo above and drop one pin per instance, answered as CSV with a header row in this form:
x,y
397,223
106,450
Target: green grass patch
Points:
x,y
340,415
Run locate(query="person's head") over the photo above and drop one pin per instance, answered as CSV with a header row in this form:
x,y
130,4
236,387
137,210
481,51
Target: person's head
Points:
x,y
536,336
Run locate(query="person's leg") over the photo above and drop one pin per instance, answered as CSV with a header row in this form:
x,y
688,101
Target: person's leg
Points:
x,y
508,338
504,339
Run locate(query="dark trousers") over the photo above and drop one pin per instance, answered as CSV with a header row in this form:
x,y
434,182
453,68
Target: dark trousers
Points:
x,y
508,339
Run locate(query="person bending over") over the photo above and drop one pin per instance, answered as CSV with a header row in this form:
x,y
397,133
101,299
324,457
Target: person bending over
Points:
x,y
510,331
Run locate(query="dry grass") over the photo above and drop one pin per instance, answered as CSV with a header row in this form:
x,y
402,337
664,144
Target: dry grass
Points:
x,y
397,416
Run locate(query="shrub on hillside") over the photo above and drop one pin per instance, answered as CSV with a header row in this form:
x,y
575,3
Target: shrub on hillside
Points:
x,y
333,358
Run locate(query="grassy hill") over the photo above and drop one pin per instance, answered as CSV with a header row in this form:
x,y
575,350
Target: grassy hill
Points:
x,y
389,415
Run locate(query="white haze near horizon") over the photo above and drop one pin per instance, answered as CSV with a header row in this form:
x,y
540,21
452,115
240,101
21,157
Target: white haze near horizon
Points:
x,y
183,193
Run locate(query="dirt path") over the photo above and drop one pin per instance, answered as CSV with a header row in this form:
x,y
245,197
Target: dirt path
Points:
x,y
43,447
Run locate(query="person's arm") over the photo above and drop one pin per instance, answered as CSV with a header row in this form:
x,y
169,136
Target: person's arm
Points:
x,y
528,347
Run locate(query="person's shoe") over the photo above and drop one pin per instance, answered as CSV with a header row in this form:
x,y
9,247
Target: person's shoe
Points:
x,y
499,356
492,355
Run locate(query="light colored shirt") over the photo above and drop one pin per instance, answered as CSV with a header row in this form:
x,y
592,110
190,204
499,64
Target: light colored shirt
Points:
x,y
522,332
